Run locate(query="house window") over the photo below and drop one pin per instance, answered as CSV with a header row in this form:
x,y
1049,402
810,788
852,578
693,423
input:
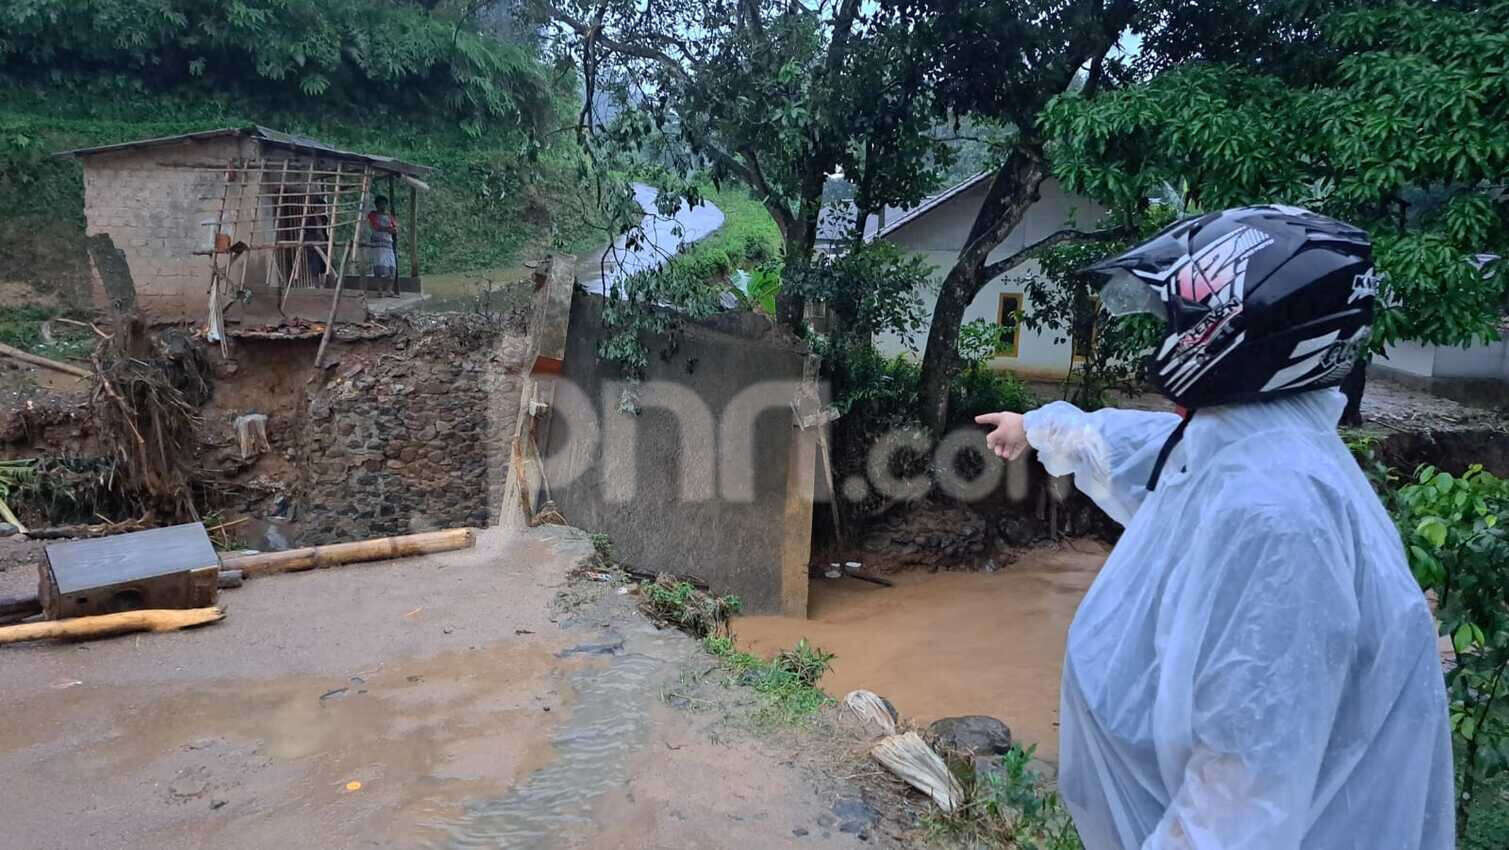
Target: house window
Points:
x,y
1086,326
1009,317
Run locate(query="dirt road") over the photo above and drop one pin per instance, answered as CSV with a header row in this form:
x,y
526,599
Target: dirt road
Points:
x,y
450,701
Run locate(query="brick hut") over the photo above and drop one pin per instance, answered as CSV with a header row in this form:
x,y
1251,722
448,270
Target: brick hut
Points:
x,y
249,229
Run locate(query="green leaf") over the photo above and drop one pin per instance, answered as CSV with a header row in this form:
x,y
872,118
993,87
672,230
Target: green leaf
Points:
x,y
1433,530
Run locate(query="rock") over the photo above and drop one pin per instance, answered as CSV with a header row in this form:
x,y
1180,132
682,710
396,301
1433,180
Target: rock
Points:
x,y
800,832
854,815
6,529
974,733
190,782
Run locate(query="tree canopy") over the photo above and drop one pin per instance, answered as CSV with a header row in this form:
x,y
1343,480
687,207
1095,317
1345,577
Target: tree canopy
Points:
x,y
777,96
1406,134
427,56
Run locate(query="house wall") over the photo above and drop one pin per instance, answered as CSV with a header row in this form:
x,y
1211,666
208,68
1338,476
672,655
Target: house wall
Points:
x,y
939,235
154,215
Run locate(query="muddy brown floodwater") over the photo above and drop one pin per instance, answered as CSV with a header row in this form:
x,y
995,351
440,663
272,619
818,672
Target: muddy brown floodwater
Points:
x,y
945,644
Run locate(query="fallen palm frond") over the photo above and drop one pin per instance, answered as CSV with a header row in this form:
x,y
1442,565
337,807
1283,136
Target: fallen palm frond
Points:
x,y
909,757
872,710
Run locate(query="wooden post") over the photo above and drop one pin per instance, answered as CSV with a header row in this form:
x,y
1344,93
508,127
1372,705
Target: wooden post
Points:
x,y
414,233
340,277
393,210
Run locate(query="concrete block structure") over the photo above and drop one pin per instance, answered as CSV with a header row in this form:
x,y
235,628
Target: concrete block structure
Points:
x,y
700,469
163,202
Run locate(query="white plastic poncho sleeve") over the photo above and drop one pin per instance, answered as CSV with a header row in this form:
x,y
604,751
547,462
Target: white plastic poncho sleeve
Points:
x,y
1254,668
1113,471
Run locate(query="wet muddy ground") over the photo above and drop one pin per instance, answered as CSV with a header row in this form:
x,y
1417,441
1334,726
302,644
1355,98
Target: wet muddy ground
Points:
x,y
950,643
474,699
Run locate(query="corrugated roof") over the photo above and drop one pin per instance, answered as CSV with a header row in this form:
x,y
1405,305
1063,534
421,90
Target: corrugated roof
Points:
x,y
269,136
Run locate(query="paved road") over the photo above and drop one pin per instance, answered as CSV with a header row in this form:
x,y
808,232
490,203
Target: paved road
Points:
x,y
662,239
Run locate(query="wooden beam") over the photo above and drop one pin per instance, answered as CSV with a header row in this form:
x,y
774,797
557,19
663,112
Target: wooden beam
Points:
x,y
18,354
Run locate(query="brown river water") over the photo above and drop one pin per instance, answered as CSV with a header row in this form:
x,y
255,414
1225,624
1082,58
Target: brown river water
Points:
x,y
949,643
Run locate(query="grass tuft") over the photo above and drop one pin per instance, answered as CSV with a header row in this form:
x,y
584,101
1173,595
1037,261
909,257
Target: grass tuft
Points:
x,y
786,685
1009,806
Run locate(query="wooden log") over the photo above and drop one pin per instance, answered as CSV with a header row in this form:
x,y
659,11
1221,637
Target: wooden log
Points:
x,y
18,354
335,554
105,625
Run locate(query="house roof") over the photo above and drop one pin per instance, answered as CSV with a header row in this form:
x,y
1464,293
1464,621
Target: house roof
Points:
x,y
836,218
927,206
267,136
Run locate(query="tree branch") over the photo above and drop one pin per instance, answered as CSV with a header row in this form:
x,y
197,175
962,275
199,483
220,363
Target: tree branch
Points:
x,y
595,33
1015,259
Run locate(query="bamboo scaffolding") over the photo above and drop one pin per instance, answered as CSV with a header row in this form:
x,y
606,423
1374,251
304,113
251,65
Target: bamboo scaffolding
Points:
x,y
217,317
299,258
340,281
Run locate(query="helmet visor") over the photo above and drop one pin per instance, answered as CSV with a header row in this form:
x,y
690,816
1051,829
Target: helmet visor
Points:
x,y
1126,294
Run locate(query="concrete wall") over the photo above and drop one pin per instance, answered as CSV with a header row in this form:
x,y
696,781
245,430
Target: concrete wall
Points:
x,y
939,235
1476,362
665,485
154,215
1441,362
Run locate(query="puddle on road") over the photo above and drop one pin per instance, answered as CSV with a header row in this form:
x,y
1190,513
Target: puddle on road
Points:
x,y
609,722
946,644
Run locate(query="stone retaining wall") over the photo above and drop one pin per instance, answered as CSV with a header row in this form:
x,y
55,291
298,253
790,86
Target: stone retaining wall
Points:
x,y
403,444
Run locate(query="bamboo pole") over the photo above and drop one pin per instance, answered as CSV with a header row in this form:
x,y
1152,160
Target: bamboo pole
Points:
x,y
335,554
413,235
300,258
340,282
105,625
24,357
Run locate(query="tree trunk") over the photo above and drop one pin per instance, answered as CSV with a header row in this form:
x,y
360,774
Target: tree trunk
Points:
x,y
789,306
801,238
1013,190
1353,386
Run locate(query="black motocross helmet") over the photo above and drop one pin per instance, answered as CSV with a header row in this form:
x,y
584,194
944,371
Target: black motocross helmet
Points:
x,y
1260,302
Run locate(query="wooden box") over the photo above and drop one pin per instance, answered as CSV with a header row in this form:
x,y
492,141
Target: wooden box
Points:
x,y
174,567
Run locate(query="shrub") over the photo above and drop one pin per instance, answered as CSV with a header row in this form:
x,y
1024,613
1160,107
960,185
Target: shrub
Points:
x,y
1010,806
1454,531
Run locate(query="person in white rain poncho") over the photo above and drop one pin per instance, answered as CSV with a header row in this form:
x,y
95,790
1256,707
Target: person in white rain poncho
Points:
x,y
1254,668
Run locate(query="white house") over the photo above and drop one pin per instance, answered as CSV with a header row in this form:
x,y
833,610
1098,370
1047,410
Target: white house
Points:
x,y
937,228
